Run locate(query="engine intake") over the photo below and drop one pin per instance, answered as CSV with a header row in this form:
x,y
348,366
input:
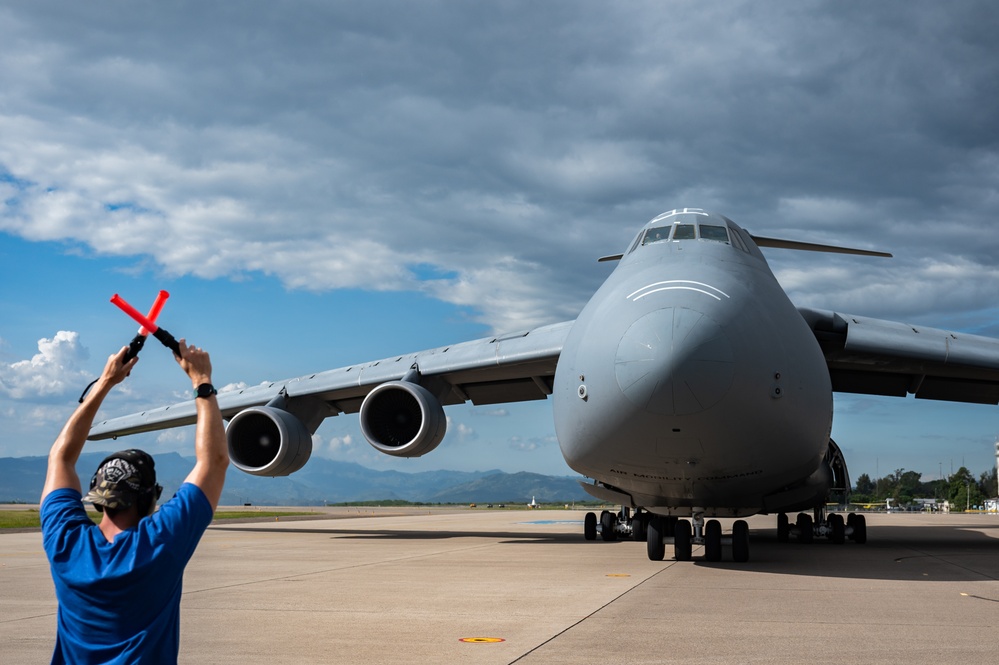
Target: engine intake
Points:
x,y
402,419
267,441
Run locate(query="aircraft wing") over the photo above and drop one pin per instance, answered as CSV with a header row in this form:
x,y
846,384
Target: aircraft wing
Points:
x,y
877,357
491,370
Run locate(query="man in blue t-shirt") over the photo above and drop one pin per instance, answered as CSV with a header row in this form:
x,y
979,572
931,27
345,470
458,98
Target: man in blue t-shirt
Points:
x,y
119,582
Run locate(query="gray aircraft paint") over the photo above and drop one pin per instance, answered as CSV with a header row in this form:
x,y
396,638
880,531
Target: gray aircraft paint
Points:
x,y
702,385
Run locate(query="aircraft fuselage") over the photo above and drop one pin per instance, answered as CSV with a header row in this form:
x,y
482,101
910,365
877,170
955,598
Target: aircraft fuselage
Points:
x,y
690,379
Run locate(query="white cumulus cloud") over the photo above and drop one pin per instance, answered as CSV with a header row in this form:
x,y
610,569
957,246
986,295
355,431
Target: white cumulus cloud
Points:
x,y
52,372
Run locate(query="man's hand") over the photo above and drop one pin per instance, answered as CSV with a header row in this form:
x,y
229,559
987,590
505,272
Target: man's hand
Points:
x,y
115,370
195,362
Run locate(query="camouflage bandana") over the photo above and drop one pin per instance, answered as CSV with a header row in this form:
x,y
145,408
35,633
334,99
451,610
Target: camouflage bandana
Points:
x,y
119,481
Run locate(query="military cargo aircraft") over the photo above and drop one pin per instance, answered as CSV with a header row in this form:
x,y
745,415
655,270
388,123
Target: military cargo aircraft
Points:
x,y
689,387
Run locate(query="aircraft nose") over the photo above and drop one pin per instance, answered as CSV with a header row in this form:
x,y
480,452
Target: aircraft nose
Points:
x,y
675,361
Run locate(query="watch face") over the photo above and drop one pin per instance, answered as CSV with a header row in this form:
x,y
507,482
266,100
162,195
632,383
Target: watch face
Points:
x,y
205,390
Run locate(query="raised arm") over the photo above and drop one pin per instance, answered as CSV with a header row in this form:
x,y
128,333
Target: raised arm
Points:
x,y
66,450
210,448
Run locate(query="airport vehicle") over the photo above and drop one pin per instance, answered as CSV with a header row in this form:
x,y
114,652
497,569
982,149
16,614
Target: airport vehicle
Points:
x,y
689,386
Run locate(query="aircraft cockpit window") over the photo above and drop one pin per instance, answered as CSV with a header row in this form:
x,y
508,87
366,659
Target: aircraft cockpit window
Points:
x,y
719,233
684,232
656,234
737,240
634,244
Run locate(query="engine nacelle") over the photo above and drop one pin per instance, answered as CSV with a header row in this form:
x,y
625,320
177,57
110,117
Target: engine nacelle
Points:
x,y
267,441
402,419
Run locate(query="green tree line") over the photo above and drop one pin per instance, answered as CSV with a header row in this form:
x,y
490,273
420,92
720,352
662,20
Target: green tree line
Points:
x,y
962,489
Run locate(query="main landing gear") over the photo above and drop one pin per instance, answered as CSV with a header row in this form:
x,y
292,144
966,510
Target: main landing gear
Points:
x,y
657,531
808,527
616,525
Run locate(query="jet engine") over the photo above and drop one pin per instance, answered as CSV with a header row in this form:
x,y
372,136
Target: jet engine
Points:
x,y
267,441
402,419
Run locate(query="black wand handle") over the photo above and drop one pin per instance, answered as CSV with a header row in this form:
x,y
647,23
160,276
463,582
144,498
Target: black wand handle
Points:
x,y
134,347
167,340
133,350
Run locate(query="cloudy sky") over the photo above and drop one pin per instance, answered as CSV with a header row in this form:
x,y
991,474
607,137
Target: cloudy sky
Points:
x,y
322,183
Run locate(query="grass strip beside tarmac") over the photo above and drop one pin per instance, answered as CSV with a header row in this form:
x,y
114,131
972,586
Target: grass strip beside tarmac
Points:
x,y
28,519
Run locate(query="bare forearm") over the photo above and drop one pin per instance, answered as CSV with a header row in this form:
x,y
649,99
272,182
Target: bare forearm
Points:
x,y
69,443
210,447
210,450
209,441
65,452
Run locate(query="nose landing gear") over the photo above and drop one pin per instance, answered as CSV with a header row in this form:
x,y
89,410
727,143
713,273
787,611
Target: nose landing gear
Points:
x,y
658,531
709,534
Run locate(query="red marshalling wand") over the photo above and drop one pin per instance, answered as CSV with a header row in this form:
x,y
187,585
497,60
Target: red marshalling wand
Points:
x,y
140,339
149,327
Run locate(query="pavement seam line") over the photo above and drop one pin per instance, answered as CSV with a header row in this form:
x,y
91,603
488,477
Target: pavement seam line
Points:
x,y
948,562
591,614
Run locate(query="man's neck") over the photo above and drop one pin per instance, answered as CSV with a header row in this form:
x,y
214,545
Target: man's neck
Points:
x,y
122,521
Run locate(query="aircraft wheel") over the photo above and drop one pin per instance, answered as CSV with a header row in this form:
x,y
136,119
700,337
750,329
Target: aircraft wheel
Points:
x,y
712,541
607,522
590,526
681,541
640,527
654,539
859,530
740,541
804,524
838,529
783,528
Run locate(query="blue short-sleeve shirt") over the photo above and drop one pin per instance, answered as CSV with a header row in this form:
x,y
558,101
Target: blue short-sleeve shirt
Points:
x,y
119,602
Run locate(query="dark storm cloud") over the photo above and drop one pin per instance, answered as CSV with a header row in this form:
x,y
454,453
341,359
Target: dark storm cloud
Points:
x,y
511,143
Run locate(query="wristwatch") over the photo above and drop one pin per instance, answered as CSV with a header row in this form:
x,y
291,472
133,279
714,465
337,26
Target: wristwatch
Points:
x,y
205,390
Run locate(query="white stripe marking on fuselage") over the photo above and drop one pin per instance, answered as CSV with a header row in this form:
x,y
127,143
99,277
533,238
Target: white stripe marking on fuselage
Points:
x,y
650,289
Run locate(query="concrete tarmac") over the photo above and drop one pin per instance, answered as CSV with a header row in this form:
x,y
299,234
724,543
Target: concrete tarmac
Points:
x,y
480,586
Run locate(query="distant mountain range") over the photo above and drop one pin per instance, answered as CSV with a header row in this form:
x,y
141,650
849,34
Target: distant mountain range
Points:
x,y
320,481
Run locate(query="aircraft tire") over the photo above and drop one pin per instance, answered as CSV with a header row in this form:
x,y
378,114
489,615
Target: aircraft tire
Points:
x,y
607,520
654,539
783,528
590,526
859,530
640,527
712,541
804,524
740,541
681,541
838,529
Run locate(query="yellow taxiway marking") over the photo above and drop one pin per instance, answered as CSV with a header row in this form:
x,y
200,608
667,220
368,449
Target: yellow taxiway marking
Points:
x,y
482,640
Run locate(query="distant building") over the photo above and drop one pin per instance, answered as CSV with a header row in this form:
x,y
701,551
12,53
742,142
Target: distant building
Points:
x,y
929,505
